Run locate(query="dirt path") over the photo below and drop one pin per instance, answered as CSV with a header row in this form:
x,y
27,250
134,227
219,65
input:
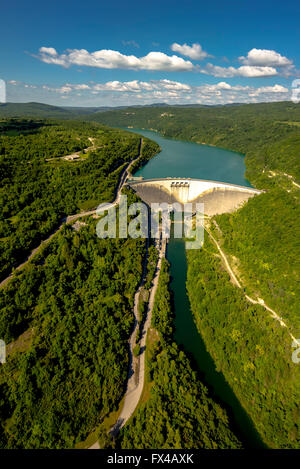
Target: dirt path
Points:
x,y
76,154
136,375
136,379
258,301
72,218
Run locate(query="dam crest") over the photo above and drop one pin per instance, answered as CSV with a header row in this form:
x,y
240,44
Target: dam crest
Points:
x,y
218,197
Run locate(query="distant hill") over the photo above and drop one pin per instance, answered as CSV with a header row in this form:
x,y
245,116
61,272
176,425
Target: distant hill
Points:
x,y
82,110
34,110
90,110
150,115
40,110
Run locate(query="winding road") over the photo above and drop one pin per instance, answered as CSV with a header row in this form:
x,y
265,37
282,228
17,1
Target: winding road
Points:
x,y
72,218
136,373
136,379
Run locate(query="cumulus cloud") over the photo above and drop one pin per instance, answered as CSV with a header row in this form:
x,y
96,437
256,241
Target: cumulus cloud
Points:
x,y
111,59
223,85
79,87
48,51
242,71
267,90
257,63
145,92
265,58
194,52
137,86
273,89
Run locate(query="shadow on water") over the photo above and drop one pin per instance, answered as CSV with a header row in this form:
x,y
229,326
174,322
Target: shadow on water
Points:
x,y
187,335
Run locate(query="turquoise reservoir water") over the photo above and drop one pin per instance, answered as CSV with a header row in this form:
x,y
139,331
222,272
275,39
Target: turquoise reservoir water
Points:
x,y
191,160
184,159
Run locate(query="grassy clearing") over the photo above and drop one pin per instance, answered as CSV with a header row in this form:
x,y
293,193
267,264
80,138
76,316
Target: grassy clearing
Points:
x,y
22,344
100,432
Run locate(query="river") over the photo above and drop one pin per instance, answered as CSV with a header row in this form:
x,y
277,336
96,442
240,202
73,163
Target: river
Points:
x,y
191,160
186,159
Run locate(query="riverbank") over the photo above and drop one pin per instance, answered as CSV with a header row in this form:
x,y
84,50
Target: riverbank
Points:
x,y
188,336
136,373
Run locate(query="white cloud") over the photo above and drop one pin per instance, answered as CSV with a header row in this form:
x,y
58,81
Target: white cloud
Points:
x,y
174,85
48,50
63,89
79,87
265,58
273,89
267,90
111,59
243,71
137,86
132,86
194,52
258,63
223,85
145,92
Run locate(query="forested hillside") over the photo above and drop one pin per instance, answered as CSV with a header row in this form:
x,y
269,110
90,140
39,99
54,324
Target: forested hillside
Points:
x,y
34,110
263,240
67,318
38,188
249,347
268,133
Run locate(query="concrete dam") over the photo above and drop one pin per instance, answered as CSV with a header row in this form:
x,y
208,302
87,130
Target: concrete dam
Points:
x,y
218,197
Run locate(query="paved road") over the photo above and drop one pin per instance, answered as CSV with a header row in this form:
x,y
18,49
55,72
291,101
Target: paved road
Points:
x,y
72,218
136,380
136,375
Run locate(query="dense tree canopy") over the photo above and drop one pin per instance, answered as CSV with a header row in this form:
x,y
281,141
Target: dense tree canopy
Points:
x,y
70,312
249,347
38,189
179,413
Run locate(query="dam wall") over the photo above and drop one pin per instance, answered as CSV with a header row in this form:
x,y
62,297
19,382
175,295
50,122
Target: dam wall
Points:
x,y
217,197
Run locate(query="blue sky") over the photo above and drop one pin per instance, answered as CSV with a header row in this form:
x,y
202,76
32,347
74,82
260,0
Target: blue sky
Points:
x,y
94,53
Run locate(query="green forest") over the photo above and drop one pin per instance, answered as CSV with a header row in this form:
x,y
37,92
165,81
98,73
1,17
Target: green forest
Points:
x,y
268,133
38,188
264,237
249,347
67,318
179,412
67,315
